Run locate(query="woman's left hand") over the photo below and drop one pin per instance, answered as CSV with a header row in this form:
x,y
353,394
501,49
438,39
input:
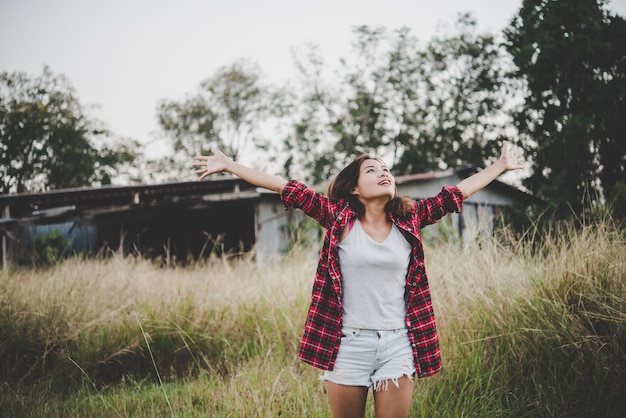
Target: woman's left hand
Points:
x,y
511,157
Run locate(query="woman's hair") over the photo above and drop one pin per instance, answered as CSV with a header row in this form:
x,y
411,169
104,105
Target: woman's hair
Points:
x,y
344,183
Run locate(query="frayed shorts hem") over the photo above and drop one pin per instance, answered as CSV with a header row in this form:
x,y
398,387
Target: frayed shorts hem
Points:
x,y
371,358
380,384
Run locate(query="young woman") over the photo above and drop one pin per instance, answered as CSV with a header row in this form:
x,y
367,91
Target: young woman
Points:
x,y
371,320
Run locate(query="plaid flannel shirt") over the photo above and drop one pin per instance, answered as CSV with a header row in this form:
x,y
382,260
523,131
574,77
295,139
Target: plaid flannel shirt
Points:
x,y
322,330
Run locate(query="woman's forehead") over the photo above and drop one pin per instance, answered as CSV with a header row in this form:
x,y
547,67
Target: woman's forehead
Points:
x,y
372,162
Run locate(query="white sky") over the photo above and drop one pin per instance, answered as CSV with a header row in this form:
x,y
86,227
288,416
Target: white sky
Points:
x,y
125,55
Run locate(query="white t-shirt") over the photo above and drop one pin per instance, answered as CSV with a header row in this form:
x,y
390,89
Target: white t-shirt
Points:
x,y
374,279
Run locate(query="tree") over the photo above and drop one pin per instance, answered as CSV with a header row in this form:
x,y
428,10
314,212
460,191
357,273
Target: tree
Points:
x,y
229,111
572,55
46,141
310,142
365,110
465,95
420,109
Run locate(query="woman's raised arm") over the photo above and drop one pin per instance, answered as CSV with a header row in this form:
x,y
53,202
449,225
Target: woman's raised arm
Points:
x,y
219,162
510,159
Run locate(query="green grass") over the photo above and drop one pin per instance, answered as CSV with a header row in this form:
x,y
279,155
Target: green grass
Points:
x,y
528,328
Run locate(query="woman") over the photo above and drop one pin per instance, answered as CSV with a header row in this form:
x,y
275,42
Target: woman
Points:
x,y
370,321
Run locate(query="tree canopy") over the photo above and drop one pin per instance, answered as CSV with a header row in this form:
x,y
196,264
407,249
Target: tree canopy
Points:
x,y
229,111
556,85
572,55
421,108
46,141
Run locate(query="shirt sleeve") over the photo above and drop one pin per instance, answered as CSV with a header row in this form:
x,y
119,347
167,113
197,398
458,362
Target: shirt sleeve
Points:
x,y
316,205
430,210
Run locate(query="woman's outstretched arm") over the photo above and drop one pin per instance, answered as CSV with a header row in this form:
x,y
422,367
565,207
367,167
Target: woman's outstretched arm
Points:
x,y
510,159
219,162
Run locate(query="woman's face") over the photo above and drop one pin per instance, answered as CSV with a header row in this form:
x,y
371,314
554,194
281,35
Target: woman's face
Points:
x,y
375,181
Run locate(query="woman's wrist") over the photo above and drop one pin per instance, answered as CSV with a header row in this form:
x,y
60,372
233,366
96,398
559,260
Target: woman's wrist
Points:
x,y
500,165
229,166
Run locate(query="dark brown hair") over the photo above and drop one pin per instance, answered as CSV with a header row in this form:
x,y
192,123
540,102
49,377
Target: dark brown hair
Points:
x,y
343,184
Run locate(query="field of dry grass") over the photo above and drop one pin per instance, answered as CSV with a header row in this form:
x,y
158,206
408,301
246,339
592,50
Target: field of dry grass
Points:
x,y
528,328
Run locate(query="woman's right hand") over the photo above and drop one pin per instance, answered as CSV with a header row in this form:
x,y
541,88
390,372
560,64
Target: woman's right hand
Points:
x,y
211,164
219,162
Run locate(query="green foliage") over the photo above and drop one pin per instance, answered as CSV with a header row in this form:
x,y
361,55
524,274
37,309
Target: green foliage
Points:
x,y
46,141
229,111
617,201
49,249
421,108
462,113
571,56
566,343
305,234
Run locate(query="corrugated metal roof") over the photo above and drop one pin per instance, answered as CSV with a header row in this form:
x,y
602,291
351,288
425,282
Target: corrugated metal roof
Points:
x,y
28,204
408,178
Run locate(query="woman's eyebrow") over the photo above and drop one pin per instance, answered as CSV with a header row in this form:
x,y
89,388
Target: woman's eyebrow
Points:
x,y
374,166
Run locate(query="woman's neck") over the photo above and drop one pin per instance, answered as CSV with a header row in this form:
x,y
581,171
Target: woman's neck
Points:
x,y
375,214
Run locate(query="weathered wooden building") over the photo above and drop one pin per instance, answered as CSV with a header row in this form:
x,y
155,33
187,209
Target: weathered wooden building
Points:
x,y
177,220
480,210
181,221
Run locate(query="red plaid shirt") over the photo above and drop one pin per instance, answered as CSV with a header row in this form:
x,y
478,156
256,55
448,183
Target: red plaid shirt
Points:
x,y
322,330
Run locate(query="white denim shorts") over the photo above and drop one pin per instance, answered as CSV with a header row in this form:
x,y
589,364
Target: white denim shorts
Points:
x,y
372,358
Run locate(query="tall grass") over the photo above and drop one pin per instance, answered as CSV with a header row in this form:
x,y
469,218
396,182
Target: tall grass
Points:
x,y
537,328
527,327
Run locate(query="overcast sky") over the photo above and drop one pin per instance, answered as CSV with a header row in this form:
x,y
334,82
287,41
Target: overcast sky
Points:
x,y
125,55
